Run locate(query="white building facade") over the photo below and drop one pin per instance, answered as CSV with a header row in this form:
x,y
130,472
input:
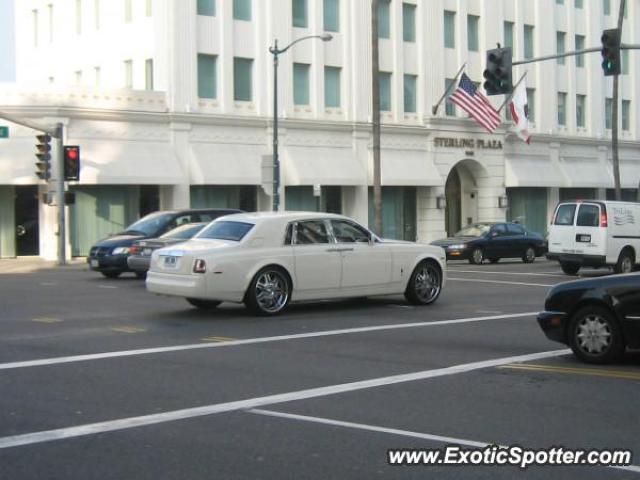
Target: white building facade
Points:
x,y
171,104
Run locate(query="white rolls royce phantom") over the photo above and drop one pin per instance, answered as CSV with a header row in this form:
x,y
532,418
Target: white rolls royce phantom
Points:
x,y
267,260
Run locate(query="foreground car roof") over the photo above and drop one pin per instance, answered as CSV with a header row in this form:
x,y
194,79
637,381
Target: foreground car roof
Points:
x,y
262,217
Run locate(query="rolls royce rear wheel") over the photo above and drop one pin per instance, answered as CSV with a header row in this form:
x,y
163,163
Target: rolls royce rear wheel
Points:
x,y
269,292
425,284
595,336
203,304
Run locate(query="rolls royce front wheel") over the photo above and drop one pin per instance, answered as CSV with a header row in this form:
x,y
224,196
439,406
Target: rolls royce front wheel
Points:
x,y
425,284
269,292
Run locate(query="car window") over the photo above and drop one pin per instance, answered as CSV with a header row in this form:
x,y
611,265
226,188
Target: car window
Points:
x,y
515,229
477,230
310,232
225,230
564,214
347,232
288,236
184,231
588,216
151,224
210,216
500,230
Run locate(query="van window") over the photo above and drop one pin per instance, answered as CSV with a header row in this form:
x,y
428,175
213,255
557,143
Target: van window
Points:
x,y
515,229
588,216
564,214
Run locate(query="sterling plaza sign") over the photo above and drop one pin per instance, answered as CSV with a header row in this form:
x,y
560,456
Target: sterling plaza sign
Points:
x,y
467,143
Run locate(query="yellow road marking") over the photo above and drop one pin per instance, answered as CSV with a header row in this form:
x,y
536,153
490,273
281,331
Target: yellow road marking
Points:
x,y
46,320
218,339
596,372
126,329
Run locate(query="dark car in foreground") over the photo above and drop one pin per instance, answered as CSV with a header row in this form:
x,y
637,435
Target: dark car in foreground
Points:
x,y
141,250
109,256
597,317
493,241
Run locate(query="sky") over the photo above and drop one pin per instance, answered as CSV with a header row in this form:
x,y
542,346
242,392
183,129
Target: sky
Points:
x,y
7,41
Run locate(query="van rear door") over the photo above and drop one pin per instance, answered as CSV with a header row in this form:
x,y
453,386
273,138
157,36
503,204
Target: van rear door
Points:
x,y
590,233
562,234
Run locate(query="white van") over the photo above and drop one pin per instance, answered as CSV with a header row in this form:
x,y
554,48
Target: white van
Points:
x,y
593,233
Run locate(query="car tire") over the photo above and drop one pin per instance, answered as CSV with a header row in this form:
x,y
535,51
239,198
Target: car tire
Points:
x,y
425,283
529,255
595,336
477,256
570,268
111,274
625,262
269,292
494,260
203,304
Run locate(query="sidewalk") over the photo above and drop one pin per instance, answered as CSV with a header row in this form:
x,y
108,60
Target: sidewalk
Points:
x,y
33,264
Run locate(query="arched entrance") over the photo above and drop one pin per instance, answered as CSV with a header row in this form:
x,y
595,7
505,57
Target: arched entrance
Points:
x,y
464,182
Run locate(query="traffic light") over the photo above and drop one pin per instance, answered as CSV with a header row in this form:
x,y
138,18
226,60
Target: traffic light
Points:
x,y
498,72
611,52
71,162
43,149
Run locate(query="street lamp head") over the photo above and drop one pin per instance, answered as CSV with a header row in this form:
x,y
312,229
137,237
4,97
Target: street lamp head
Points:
x,y
326,37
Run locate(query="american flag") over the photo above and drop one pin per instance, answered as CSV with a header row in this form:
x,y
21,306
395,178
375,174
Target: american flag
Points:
x,y
471,100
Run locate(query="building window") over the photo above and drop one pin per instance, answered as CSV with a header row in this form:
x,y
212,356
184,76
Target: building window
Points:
x,y
207,7
608,113
528,41
243,79
508,34
606,7
301,83
128,74
408,22
96,76
579,46
449,29
581,103
559,2
385,91
560,36
207,76
410,93
148,74
96,14
384,20
624,58
242,10
531,104
450,108
331,15
331,87
300,13
472,32
128,11
626,110
34,20
50,11
78,77
78,17
562,108
148,11
578,3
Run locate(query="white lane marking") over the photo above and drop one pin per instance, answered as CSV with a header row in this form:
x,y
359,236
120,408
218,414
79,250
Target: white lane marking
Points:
x,y
251,341
514,273
394,431
153,419
111,287
477,280
486,312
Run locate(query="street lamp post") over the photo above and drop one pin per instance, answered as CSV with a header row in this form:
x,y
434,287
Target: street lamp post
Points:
x,y
275,51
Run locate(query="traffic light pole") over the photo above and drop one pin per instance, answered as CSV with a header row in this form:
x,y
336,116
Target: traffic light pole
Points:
x,y
614,114
62,254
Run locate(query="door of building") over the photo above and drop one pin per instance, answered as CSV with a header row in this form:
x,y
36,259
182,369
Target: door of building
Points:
x,y
26,218
453,194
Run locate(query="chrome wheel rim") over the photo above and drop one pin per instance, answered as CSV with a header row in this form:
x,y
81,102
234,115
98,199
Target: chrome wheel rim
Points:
x,y
477,255
530,254
626,265
272,291
427,283
593,335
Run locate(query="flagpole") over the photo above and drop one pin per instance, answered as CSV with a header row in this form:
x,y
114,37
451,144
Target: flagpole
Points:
x,y
513,91
434,108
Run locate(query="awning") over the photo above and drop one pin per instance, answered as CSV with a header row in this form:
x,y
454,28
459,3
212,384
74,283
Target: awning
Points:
x,y
128,163
406,168
629,173
17,162
322,166
533,171
586,172
226,164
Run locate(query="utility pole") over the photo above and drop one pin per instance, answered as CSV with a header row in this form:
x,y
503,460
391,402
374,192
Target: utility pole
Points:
x,y
375,119
614,115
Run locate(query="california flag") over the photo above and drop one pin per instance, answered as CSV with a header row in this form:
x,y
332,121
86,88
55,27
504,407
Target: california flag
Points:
x,y
520,112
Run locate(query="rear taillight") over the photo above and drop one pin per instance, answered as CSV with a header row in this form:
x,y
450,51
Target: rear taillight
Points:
x,y
200,266
134,249
603,219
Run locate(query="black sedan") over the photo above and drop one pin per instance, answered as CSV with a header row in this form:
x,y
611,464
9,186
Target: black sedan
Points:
x,y
596,317
141,250
109,256
493,241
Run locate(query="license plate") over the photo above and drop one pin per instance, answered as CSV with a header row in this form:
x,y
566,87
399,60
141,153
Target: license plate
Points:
x,y
171,262
93,263
147,252
584,238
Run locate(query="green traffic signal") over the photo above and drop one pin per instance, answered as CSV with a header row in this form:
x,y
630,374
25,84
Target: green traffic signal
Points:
x,y
611,64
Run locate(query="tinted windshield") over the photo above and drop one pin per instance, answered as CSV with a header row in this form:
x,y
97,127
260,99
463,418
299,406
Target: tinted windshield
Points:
x,y
473,231
151,224
184,232
225,230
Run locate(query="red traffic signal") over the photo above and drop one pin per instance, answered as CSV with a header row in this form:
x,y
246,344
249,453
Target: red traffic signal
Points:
x,y
71,162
